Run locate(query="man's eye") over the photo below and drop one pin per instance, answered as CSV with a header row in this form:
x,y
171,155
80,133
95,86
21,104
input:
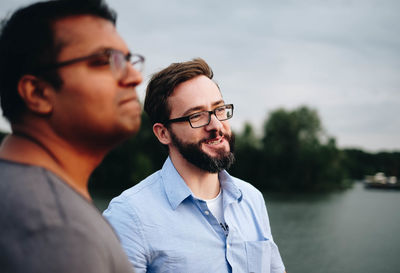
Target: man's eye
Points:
x,y
100,61
196,117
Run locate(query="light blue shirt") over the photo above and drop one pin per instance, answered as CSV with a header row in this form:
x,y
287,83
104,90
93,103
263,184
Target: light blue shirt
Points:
x,y
164,228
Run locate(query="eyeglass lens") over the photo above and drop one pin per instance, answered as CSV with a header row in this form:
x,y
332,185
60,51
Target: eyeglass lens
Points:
x,y
118,62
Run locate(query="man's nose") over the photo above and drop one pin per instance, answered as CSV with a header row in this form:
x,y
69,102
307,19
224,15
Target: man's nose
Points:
x,y
132,76
214,124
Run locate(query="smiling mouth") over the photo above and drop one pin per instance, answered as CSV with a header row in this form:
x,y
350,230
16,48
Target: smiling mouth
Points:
x,y
214,141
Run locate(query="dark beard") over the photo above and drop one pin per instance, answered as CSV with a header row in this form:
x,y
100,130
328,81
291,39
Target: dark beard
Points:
x,y
192,153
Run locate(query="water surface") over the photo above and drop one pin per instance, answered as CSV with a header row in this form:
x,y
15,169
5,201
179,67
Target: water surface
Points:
x,y
352,231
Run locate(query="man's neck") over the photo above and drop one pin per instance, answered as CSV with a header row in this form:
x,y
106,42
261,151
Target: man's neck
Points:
x,y
73,165
203,184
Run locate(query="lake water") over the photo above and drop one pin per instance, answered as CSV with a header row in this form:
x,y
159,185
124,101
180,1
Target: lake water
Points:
x,y
355,231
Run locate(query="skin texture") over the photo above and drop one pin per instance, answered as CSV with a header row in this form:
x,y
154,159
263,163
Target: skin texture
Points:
x,y
70,130
195,95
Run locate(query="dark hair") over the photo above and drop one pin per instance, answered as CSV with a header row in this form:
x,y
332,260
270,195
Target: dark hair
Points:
x,y
163,83
27,42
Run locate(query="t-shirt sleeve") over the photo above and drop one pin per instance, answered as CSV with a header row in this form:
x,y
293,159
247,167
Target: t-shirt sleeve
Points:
x,y
130,232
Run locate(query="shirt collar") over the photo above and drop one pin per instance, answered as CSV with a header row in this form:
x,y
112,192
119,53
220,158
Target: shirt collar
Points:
x,y
175,187
229,188
177,190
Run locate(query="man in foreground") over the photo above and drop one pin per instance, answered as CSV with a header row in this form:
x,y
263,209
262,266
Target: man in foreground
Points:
x,y
68,90
192,216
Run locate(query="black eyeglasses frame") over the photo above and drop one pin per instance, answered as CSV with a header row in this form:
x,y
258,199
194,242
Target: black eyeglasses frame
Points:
x,y
187,118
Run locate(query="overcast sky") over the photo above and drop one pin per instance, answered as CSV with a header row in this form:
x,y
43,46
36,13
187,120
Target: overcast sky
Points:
x,y
340,57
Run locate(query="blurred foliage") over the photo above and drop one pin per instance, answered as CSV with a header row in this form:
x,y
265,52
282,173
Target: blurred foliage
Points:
x,y
293,153
130,162
359,163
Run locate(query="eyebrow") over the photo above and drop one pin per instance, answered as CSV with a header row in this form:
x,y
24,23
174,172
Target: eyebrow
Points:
x,y
197,108
102,49
95,51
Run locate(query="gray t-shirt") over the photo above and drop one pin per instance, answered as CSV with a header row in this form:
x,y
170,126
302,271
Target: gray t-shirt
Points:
x,y
45,226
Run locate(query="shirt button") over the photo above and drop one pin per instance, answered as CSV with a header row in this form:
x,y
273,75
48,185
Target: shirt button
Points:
x,y
207,212
228,246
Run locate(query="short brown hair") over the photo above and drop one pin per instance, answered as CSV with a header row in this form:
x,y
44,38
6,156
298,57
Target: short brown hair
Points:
x,y
163,83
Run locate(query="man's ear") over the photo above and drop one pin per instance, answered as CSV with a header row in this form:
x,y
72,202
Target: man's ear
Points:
x,y
162,133
36,94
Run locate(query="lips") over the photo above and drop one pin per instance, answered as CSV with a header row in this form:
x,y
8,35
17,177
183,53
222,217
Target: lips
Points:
x,y
128,99
214,141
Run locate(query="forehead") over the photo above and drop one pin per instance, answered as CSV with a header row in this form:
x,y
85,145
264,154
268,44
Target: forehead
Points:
x,y
83,34
200,93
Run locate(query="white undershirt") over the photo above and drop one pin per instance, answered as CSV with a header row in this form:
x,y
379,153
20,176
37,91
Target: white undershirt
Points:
x,y
216,207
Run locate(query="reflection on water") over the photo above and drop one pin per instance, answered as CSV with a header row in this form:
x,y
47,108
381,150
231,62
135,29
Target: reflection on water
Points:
x,y
352,231
355,231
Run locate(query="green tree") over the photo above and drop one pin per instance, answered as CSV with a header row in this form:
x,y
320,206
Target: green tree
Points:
x,y
298,154
359,163
248,154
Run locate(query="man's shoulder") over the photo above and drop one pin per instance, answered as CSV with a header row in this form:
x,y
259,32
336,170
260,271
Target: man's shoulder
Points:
x,y
35,199
58,220
249,192
139,203
23,185
146,189
11,171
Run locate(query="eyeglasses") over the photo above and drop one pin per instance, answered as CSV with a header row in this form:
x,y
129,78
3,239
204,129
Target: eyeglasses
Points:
x,y
115,58
203,118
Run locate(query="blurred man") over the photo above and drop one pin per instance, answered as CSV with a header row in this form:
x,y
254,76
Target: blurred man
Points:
x,y
68,90
192,216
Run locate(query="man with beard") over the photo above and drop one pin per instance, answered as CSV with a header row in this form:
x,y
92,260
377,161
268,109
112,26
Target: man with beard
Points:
x,y
192,216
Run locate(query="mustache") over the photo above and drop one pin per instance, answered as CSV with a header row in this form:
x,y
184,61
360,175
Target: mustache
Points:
x,y
215,134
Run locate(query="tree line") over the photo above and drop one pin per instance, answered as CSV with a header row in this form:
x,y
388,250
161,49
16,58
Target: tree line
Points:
x,y
293,153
